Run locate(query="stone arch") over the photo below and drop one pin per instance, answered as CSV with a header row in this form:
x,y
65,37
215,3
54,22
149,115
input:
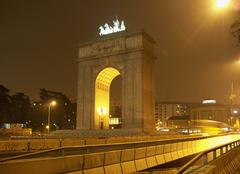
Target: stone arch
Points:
x,y
132,57
102,96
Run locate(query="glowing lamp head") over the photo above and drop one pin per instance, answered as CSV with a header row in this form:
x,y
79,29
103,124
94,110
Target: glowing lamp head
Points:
x,y
220,4
235,112
47,127
99,111
102,111
53,103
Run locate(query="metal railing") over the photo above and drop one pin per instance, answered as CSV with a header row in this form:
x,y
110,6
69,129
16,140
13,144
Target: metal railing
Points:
x,y
207,156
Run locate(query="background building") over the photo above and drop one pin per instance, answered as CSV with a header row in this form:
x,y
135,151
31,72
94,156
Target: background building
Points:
x,y
210,110
215,112
208,117
165,110
172,114
115,117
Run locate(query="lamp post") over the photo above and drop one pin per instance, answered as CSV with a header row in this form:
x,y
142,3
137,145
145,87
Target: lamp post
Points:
x,y
102,111
52,103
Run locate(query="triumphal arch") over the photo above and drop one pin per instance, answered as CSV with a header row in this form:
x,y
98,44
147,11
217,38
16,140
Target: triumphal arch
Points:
x,y
130,56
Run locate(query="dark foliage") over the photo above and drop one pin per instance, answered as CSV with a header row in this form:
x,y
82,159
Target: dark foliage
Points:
x,y
19,109
235,29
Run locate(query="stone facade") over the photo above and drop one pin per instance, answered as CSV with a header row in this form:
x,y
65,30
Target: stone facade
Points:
x,y
132,55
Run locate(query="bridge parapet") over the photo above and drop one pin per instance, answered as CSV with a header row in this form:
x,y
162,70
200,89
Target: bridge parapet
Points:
x,y
41,143
220,159
118,158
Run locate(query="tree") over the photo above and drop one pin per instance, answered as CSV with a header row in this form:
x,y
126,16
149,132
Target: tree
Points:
x,y
235,30
21,107
5,105
62,115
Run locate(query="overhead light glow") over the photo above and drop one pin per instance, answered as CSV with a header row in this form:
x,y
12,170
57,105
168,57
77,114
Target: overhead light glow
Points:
x,y
220,4
235,111
102,111
238,61
53,103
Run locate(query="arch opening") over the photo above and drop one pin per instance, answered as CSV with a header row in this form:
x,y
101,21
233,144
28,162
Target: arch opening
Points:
x,y
102,97
115,111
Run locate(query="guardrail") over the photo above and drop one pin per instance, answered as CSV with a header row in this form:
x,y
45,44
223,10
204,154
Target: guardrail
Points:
x,y
33,144
112,158
208,156
46,143
87,149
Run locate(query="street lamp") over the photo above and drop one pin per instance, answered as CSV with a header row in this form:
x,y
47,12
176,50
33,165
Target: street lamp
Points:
x,y
102,111
52,103
233,5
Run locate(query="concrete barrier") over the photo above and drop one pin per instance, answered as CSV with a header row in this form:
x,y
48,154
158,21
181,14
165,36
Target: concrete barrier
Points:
x,y
113,169
72,142
151,151
159,154
18,145
72,163
140,153
93,160
190,150
95,141
98,170
150,156
200,145
140,159
77,172
185,148
179,149
112,162
141,164
127,155
167,152
160,159
151,161
114,140
174,152
112,157
159,149
40,144
42,166
37,144
128,167
51,143
194,146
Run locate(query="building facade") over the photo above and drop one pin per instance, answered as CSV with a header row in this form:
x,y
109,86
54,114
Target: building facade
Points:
x,y
165,110
211,112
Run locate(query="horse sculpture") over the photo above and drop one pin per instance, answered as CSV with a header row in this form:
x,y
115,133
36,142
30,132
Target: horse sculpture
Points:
x,y
117,26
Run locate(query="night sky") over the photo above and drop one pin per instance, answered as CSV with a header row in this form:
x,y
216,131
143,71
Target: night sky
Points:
x,y
196,53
